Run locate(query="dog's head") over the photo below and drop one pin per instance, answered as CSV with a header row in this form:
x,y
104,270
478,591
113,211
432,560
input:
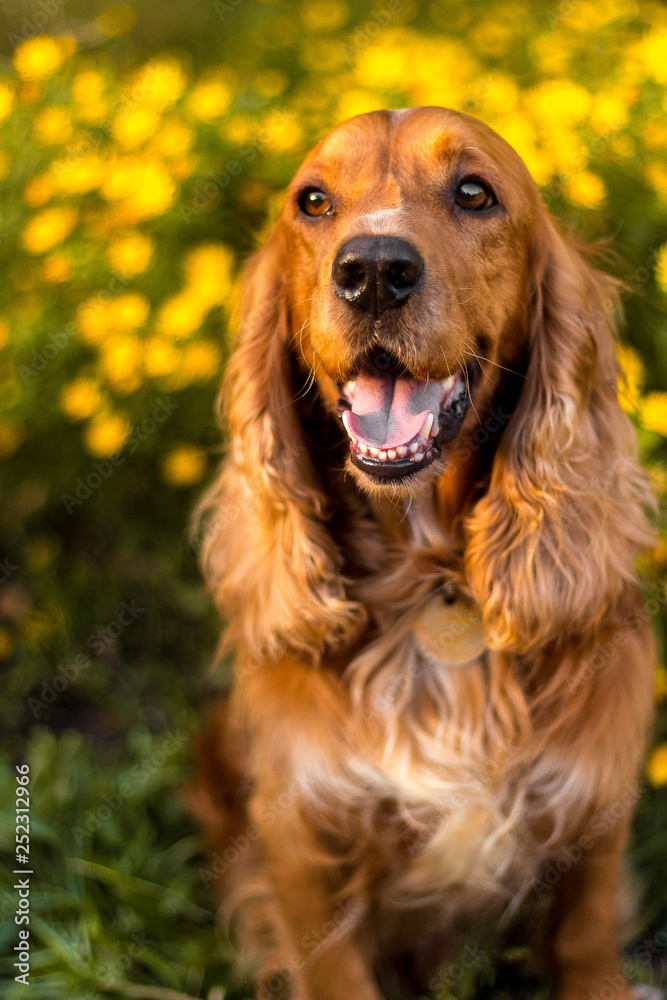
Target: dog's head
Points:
x,y
407,239
413,288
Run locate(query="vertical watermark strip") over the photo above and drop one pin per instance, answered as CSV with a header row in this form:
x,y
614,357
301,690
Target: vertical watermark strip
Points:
x,y
22,885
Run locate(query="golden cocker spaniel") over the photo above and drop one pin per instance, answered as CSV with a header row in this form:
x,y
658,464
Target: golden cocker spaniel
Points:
x,y
422,540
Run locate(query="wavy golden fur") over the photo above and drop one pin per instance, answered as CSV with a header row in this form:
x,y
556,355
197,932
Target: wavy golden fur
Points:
x,y
366,804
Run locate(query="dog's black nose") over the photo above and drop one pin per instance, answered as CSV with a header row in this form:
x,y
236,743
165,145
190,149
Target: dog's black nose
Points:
x,y
374,273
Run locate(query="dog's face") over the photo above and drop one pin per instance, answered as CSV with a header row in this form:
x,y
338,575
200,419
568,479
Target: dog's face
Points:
x,y
408,236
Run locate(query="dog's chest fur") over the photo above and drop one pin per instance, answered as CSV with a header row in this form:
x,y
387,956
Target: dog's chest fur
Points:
x,y
425,785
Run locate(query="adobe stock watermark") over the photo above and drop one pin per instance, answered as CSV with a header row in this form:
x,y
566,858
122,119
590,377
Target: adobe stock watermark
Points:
x,y
96,816
104,469
69,672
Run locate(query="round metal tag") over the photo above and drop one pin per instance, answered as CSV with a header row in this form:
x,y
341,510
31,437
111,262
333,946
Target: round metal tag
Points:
x,y
449,629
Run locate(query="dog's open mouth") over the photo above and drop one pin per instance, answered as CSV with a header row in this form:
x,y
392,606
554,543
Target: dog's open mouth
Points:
x,y
398,424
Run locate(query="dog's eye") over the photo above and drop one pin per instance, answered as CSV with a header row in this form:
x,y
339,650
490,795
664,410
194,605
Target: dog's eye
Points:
x,y
474,195
314,202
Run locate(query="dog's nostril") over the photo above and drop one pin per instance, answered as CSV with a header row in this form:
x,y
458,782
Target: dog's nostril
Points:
x,y
350,276
403,274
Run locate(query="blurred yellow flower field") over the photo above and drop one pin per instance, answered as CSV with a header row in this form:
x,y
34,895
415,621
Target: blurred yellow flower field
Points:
x,y
136,178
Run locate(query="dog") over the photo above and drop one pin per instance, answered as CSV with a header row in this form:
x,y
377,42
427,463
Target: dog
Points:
x,y
423,540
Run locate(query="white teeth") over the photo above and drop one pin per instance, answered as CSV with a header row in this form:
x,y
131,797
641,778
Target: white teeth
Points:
x,y
418,456
413,447
402,450
435,429
426,426
382,455
391,454
374,452
363,448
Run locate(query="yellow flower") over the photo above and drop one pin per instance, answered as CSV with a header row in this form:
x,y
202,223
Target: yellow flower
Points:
x,y
174,139
652,51
327,15
39,57
586,189
631,379
184,465
210,98
270,83
130,253
656,175
121,358
100,316
610,109
88,87
383,66
661,267
52,125
79,175
158,84
201,360
133,126
130,311
653,412
143,186
654,134
492,37
181,315
208,273
80,399
357,102
283,134
6,99
6,643
551,52
237,129
38,191
48,229
106,434
558,101
56,268
656,766
160,357
660,689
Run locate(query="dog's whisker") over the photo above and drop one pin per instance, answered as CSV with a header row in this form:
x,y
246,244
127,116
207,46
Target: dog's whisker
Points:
x,y
490,362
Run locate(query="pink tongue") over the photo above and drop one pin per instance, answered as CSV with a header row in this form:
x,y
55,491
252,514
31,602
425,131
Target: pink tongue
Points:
x,y
388,411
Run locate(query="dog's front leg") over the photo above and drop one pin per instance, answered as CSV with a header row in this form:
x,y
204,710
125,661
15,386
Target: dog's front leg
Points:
x,y
586,942
328,960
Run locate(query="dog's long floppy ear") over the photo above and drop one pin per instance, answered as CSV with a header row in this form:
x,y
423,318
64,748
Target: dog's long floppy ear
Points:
x,y
552,544
267,553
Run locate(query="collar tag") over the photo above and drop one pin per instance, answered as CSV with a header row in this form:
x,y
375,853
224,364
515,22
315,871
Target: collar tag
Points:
x,y
449,629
